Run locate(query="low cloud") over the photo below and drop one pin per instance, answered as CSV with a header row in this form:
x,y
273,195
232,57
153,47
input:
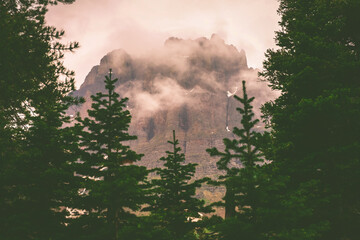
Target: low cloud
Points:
x,y
182,72
139,26
166,93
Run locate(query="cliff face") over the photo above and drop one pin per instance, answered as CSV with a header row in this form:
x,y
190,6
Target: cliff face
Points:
x,y
187,86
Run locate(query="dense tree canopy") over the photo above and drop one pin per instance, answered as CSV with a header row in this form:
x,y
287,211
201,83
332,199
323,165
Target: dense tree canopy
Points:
x,y
30,55
34,149
309,191
315,121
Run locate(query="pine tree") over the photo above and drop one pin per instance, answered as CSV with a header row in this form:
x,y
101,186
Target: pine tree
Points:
x,y
241,181
35,150
40,178
113,183
45,175
316,167
31,57
174,202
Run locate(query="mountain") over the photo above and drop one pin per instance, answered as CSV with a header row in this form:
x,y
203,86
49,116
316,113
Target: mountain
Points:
x,y
188,86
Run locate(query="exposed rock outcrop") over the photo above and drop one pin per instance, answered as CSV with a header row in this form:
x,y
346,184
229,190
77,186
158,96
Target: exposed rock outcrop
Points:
x,y
189,87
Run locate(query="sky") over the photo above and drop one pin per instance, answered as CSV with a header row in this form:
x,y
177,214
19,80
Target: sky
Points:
x,y
142,26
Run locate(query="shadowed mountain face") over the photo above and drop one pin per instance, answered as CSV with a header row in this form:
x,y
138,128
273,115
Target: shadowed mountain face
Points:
x,y
187,86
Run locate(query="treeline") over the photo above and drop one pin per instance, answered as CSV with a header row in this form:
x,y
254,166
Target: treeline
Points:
x,y
299,180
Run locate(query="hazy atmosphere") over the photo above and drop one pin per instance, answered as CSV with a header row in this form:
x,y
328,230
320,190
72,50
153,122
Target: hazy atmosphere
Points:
x,y
179,120
142,26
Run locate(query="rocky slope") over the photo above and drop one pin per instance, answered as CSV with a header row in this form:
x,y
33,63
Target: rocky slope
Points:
x,y
187,86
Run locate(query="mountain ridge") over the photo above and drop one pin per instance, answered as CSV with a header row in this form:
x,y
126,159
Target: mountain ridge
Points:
x,y
188,86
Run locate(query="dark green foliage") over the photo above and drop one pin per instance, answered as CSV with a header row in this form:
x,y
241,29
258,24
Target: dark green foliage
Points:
x,y
35,151
30,56
316,129
114,184
39,177
42,177
310,191
240,181
174,203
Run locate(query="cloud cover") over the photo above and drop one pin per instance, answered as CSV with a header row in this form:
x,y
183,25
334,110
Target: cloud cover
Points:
x,y
141,26
192,73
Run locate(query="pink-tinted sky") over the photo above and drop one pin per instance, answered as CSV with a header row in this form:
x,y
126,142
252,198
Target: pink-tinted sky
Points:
x,y
142,26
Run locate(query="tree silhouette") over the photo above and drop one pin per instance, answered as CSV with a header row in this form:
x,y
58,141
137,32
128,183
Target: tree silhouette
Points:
x,y
239,181
174,203
113,182
34,147
315,121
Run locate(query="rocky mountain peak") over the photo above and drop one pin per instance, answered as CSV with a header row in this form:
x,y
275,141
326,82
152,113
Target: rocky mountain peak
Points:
x,y
187,86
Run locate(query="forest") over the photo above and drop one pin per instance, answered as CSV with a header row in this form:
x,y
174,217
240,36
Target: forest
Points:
x,y
75,177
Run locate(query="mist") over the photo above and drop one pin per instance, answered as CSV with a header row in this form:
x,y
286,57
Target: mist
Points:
x,y
183,72
141,26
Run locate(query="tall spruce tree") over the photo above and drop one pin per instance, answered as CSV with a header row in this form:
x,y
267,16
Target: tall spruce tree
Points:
x,y
34,149
240,182
113,184
316,162
174,203
44,174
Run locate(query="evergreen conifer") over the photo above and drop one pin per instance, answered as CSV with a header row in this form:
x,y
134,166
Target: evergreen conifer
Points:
x,y
242,180
35,150
174,204
314,193
113,186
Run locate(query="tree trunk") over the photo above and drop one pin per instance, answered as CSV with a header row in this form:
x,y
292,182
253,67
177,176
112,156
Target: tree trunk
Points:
x,y
229,203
